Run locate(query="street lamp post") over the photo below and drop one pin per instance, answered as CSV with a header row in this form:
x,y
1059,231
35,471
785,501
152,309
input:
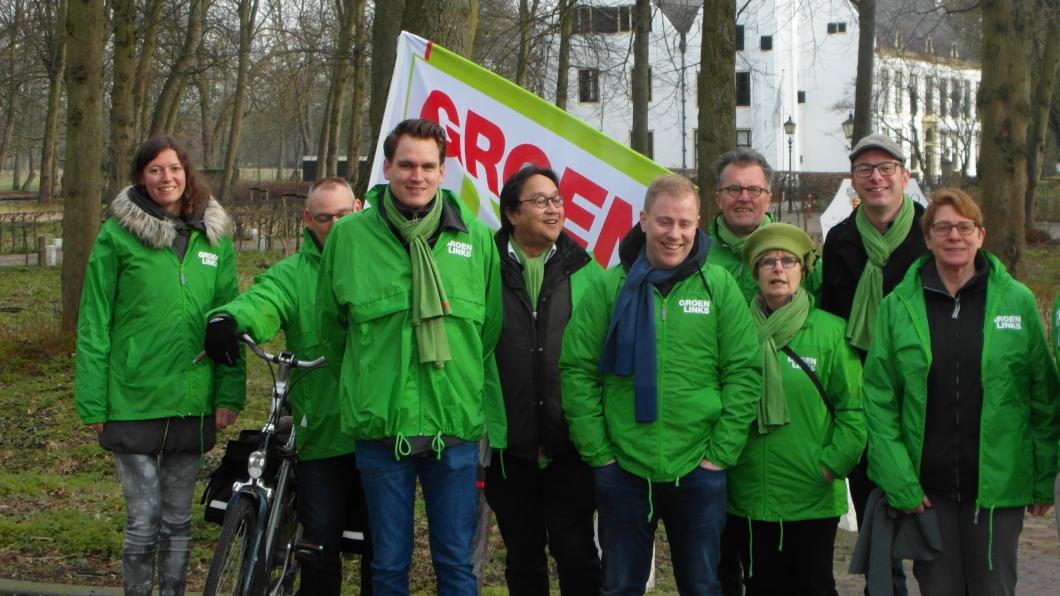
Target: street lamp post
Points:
x,y
848,130
789,129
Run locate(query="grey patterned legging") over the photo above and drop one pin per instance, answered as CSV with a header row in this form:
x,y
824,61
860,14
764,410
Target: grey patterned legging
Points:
x,y
158,494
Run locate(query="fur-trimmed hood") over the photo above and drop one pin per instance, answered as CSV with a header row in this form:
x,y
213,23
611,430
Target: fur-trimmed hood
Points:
x,y
160,233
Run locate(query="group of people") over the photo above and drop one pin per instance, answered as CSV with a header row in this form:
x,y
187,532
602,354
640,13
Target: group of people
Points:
x,y
725,383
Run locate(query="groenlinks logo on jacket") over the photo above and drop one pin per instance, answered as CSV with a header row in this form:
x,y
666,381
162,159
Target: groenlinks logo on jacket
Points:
x,y
809,360
694,306
1014,322
459,248
208,258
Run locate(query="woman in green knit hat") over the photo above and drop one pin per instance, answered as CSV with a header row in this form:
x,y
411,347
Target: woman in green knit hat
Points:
x,y
787,493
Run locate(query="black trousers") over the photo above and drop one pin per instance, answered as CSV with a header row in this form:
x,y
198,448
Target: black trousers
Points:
x,y
793,558
550,507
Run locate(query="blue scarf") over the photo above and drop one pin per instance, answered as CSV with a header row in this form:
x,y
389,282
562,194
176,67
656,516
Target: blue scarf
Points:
x,y
630,345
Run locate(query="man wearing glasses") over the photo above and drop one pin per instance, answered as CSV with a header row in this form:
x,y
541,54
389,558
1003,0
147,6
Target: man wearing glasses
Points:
x,y
284,298
866,255
539,487
743,198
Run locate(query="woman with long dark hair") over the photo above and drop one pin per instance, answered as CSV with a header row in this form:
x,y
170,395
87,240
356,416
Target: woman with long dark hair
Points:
x,y
162,259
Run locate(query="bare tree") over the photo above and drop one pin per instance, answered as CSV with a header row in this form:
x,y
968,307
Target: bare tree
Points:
x,y
1004,106
51,23
717,96
566,26
146,63
248,12
1047,55
449,23
83,174
360,77
327,158
169,99
122,109
385,29
865,70
14,86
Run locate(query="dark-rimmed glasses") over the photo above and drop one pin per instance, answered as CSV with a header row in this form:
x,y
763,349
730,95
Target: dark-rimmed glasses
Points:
x,y
541,201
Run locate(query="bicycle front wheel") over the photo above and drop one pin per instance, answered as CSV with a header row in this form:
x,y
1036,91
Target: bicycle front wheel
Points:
x,y
231,568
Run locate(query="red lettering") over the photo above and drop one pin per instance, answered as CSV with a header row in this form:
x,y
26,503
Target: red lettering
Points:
x,y
489,157
572,185
439,107
521,155
617,224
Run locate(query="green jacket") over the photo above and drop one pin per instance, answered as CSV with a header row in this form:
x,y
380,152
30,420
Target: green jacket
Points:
x,y
726,257
1019,424
364,300
779,475
284,298
709,377
143,316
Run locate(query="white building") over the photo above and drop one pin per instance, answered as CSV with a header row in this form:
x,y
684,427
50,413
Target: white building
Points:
x,y
795,59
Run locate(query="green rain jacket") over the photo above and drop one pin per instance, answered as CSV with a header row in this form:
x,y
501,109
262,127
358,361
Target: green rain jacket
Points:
x,y
1019,424
779,475
709,378
284,298
365,304
143,316
724,256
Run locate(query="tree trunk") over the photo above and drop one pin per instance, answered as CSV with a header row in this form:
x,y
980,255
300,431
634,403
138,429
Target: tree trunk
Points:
x,y
566,25
203,83
360,77
84,149
1004,109
146,65
49,165
31,175
340,79
385,29
525,26
863,83
323,138
122,115
1044,92
450,24
170,95
641,77
717,97
16,173
14,84
248,11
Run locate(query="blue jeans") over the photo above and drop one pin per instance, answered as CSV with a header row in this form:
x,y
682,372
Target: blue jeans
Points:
x,y
450,497
693,511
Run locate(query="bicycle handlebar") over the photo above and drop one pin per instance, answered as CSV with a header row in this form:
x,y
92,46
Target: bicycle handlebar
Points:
x,y
281,358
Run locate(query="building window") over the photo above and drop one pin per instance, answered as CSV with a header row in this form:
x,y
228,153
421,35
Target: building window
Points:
x,y
650,153
885,90
743,137
767,43
588,85
603,19
929,96
802,97
743,88
942,97
739,38
955,98
838,27
913,97
898,92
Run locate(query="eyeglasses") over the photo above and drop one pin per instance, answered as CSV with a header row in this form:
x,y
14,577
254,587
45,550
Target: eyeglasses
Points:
x,y
541,201
771,262
886,168
943,228
736,190
323,218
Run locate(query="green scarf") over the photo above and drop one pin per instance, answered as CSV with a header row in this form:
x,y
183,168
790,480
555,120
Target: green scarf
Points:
x,y
533,271
729,239
774,332
429,302
869,292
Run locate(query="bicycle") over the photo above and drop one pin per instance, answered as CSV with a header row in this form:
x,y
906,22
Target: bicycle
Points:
x,y
261,544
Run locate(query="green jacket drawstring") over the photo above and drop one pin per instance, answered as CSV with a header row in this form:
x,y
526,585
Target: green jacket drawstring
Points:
x,y
401,446
500,456
990,542
651,505
750,550
780,545
438,444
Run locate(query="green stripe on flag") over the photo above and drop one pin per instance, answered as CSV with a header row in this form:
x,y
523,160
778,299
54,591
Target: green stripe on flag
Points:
x,y
559,122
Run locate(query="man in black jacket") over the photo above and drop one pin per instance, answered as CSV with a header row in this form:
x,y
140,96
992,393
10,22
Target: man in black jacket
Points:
x,y
865,256
539,487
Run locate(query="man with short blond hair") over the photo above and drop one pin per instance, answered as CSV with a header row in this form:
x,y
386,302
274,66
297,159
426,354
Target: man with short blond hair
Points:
x,y
661,375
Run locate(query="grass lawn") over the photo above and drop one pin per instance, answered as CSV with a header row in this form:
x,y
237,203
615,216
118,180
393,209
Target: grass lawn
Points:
x,y
61,510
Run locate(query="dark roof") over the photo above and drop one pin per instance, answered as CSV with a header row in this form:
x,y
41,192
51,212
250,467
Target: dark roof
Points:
x,y
929,27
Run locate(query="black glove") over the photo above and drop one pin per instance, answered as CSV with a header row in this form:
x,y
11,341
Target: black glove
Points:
x,y
221,344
